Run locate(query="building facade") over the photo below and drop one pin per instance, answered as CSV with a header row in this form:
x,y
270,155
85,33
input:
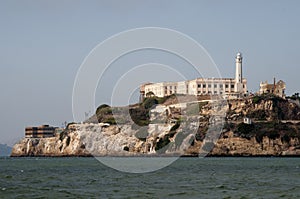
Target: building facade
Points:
x,y
229,87
275,88
43,131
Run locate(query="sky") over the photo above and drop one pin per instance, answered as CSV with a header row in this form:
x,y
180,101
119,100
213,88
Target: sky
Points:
x,y
43,44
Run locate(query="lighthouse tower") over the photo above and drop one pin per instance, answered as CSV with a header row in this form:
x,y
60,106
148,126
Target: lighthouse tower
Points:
x,y
238,73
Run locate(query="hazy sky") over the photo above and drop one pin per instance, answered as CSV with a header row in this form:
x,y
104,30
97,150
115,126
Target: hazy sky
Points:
x,y
43,43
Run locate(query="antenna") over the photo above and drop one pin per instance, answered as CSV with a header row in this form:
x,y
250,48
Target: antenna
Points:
x,y
86,114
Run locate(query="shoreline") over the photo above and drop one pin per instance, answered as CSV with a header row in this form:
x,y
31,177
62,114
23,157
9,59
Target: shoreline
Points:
x,y
156,156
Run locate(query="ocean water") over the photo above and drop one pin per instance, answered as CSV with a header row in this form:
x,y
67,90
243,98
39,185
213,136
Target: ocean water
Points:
x,y
185,178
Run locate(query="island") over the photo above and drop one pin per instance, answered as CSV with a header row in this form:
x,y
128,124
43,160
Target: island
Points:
x,y
257,125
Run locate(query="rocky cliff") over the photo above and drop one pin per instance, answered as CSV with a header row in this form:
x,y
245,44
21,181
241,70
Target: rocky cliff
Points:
x,y
275,131
89,140
230,145
82,141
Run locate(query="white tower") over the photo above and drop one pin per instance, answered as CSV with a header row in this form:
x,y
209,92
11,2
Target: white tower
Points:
x,y
238,73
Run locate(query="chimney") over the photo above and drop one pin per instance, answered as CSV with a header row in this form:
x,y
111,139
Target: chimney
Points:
x,y
274,85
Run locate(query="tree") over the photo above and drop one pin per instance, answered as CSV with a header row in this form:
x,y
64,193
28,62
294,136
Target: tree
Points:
x,y
295,96
150,94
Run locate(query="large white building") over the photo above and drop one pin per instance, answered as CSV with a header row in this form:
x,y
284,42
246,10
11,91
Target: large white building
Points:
x,y
228,87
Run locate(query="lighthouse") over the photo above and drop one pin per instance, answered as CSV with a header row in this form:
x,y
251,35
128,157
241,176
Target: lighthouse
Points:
x,y
238,73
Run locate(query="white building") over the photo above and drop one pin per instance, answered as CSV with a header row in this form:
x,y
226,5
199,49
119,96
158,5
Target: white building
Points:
x,y
229,87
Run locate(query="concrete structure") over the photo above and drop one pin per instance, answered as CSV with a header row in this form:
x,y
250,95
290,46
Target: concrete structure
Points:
x,y
228,87
40,132
275,88
247,120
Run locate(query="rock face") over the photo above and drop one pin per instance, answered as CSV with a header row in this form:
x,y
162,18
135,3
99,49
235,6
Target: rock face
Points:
x,y
237,146
70,145
90,139
189,135
87,140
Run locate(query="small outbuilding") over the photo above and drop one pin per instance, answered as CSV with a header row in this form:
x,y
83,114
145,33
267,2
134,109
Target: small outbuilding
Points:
x,y
247,120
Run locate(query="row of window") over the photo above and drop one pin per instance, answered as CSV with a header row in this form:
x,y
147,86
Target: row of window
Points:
x,y
209,92
173,89
215,85
170,92
170,87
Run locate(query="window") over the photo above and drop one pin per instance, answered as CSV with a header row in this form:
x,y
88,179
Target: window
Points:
x,y
215,85
209,85
215,92
232,85
199,85
204,85
221,85
226,85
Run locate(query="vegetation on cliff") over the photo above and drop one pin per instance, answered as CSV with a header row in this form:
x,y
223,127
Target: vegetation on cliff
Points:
x,y
266,112
272,130
146,128
139,113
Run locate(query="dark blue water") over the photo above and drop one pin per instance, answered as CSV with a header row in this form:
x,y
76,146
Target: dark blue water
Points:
x,y
186,178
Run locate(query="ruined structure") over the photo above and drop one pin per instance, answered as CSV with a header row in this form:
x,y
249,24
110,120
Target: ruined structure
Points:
x,y
275,88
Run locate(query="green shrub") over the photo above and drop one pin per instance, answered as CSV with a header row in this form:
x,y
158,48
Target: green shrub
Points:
x,y
102,106
245,128
104,114
273,134
150,94
67,127
256,99
150,102
201,133
258,114
109,120
286,138
140,116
